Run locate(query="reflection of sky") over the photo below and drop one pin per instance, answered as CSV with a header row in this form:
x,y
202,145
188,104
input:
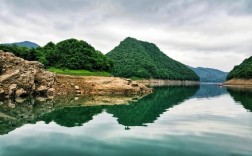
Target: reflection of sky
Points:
x,y
214,126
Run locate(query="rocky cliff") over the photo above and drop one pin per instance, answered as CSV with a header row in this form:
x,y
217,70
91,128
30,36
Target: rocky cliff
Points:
x,y
19,78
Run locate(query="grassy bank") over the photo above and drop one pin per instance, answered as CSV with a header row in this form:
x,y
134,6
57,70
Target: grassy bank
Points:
x,y
78,72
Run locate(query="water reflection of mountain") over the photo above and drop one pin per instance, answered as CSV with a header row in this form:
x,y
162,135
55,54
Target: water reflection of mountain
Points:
x,y
145,110
210,90
72,116
149,108
243,96
65,111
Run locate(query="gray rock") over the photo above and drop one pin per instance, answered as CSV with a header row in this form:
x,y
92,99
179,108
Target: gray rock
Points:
x,y
42,88
30,75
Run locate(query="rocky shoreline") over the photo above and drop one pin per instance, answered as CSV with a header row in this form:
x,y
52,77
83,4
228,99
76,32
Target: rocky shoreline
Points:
x,y
21,78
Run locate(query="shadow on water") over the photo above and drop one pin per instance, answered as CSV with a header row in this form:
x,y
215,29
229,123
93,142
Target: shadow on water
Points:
x,y
242,96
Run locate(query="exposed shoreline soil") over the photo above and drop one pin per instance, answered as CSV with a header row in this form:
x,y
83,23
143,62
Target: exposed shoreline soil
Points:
x,y
21,78
239,83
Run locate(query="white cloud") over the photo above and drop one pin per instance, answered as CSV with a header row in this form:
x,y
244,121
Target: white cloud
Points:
x,y
204,33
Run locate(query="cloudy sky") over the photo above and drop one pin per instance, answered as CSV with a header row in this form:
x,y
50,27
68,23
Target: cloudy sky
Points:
x,y
207,33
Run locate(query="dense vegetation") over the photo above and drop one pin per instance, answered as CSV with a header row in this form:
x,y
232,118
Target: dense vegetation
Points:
x,y
134,58
210,75
242,71
78,72
70,54
23,52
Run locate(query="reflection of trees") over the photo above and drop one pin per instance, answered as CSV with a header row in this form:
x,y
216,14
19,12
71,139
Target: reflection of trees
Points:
x,y
149,108
243,96
146,110
72,116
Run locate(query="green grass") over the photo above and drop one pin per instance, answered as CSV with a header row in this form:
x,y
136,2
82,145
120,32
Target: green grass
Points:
x,y
78,72
137,78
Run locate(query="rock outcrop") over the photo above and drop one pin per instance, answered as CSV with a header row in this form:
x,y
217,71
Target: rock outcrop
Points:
x,y
19,77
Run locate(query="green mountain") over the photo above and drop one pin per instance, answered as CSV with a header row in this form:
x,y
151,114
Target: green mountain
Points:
x,y
242,71
27,44
134,58
70,53
210,75
73,54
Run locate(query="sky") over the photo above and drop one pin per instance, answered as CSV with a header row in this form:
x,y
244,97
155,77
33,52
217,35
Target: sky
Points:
x,y
206,33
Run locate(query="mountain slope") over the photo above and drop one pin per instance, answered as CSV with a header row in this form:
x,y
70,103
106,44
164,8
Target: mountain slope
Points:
x,y
210,75
134,58
242,71
27,44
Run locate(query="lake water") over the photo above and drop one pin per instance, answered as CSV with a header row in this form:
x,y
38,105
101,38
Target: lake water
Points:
x,y
206,120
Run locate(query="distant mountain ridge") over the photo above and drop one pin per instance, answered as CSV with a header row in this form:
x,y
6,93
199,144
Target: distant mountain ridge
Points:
x,y
135,58
27,44
210,74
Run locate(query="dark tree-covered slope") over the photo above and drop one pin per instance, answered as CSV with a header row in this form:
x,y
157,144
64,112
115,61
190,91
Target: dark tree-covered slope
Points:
x,y
242,71
134,58
210,75
73,54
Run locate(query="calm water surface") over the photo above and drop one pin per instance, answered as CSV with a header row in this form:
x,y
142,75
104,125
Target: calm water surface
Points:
x,y
205,120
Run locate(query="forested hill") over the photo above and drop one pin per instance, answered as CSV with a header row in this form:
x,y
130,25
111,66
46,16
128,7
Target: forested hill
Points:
x,y
242,71
26,44
210,75
67,54
134,58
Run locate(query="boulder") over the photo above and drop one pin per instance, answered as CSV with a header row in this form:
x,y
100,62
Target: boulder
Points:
x,y
19,77
20,92
42,88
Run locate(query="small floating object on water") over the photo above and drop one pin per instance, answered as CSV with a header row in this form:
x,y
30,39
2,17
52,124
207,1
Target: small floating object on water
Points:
x,y
220,84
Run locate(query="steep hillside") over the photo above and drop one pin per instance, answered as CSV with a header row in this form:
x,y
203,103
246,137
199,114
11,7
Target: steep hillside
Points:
x,y
134,58
210,75
242,71
27,44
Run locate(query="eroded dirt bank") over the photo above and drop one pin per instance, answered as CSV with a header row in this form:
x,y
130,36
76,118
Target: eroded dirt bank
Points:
x,y
19,78
239,82
94,85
